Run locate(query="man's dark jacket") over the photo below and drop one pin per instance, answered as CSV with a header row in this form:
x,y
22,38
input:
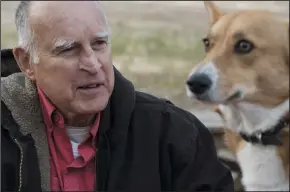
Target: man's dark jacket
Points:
x,y
144,143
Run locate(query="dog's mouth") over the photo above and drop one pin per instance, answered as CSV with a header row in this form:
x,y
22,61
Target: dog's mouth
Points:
x,y
234,97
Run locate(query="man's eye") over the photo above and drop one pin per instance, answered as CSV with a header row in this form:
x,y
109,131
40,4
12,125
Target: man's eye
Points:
x,y
67,49
99,44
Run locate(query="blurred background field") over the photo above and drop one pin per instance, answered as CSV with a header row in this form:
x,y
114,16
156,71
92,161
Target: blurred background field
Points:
x,y
156,43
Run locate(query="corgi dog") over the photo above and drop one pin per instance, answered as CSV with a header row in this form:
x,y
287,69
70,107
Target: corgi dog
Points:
x,y
245,74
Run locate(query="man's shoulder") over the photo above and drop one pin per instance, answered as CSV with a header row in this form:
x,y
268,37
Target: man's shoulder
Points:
x,y
152,103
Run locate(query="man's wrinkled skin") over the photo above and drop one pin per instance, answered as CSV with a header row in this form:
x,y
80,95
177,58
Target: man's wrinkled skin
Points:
x,y
79,55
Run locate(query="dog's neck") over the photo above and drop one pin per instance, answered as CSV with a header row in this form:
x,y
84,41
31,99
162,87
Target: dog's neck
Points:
x,y
251,118
264,171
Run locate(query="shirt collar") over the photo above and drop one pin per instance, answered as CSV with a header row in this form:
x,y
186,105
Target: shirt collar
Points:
x,y
52,117
48,109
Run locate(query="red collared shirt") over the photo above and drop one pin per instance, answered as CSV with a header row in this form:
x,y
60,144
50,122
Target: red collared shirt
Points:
x,y
67,173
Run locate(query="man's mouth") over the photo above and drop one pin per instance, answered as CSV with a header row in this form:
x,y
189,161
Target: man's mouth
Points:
x,y
91,86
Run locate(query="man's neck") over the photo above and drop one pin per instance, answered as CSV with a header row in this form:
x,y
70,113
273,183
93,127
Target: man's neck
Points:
x,y
80,120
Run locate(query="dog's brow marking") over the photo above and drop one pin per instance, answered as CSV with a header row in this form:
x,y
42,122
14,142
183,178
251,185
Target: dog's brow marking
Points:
x,y
238,35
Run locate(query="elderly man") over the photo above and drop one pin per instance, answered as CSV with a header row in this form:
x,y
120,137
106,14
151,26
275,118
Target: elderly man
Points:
x,y
72,122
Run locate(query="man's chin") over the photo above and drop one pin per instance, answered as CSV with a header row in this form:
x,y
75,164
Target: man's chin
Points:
x,y
93,106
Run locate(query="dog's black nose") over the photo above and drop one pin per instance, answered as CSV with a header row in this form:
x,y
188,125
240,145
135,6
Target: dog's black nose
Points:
x,y
199,83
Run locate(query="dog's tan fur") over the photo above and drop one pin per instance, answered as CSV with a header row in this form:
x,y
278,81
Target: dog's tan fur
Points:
x,y
233,141
264,72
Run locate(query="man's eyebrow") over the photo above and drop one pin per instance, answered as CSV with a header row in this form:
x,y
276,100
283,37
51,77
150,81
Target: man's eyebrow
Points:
x,y
60,44
63,44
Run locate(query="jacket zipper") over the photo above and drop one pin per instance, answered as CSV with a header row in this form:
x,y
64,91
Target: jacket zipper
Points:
x,y
20,165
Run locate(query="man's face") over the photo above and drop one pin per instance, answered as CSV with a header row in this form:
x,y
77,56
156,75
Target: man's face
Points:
x,y
75,68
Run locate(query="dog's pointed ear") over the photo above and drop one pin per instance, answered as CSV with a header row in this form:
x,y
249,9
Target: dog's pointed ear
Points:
x,y
213,11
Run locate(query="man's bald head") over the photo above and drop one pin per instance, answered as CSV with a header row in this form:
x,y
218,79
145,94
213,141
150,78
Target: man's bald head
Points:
x,y
48,11
42,13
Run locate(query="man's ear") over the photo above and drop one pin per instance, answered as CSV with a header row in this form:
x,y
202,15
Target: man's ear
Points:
x,y
213,11
23,60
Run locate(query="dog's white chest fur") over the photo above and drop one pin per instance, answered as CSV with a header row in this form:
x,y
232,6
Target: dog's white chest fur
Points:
x,y
262,168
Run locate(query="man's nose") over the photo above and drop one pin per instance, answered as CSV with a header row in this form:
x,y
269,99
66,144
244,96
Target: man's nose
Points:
x,y
199,83
91,64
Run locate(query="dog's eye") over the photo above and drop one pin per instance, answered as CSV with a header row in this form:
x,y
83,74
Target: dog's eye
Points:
x,y
243,47
206,43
